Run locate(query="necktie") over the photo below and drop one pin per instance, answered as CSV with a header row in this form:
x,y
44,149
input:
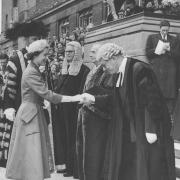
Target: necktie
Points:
x,y
164,38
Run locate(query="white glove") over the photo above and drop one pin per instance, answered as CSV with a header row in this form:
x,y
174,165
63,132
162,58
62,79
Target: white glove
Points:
x,y
46,104
10,114
151,137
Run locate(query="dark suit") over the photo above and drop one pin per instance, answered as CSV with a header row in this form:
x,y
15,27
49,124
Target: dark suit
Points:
x,y
165,65
176,115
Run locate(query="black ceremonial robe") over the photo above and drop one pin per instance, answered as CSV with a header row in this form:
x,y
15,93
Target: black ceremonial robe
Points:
x,y
65,121
12,99
139,107
93,127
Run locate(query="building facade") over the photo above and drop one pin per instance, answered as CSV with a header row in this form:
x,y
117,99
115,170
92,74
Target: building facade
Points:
x,y
6,16
62,16
14,11
69,14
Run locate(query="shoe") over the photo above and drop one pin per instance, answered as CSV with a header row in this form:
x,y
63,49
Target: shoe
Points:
x,y
67,175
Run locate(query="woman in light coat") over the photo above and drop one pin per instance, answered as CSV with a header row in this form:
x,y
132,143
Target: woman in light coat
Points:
x,y
30,156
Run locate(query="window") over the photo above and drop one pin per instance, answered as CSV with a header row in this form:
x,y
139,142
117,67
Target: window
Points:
x,y
64,26
85,17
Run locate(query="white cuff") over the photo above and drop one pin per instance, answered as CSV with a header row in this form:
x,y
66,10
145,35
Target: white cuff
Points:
x,y
151,138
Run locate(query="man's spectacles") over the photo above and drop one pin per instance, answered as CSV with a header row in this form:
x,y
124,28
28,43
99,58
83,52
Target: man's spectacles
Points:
x,y
69,51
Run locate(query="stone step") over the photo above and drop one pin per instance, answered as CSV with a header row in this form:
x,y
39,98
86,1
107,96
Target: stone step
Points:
x,y
177,160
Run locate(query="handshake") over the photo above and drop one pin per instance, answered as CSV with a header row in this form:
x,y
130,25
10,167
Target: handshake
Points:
x,y
84,98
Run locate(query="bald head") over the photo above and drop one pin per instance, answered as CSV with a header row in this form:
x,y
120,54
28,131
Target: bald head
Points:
x,y
93,53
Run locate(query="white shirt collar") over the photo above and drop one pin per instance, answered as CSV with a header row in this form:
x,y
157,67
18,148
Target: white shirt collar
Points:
x,y
164,37
122,68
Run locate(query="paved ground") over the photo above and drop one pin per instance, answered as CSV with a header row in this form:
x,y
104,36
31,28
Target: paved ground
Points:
x,y
54,176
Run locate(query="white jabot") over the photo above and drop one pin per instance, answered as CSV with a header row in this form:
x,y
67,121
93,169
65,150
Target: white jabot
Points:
x,y
121,72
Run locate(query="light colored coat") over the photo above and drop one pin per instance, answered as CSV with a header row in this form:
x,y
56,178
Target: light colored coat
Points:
x,y
30,156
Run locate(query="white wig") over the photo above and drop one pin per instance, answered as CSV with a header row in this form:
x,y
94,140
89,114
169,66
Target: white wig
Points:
x,y
77,61
109,50
38,46
77,48
95,47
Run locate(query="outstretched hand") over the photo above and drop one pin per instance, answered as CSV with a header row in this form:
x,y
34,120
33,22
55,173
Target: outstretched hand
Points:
x,y
87,99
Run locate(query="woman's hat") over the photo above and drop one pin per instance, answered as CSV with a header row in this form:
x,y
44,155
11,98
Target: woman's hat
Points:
x,y
38,46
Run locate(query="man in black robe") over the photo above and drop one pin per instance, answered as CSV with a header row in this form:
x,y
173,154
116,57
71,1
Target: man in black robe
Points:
x,y
139,146
74,74
93,123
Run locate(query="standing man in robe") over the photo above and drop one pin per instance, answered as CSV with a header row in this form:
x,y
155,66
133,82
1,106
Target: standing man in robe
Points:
x,y
139,144
74,74
93,124
96,64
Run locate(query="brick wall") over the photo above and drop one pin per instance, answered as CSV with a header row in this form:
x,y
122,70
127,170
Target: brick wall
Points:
x,y
72,11
42,5
26,9
6,11
97,11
